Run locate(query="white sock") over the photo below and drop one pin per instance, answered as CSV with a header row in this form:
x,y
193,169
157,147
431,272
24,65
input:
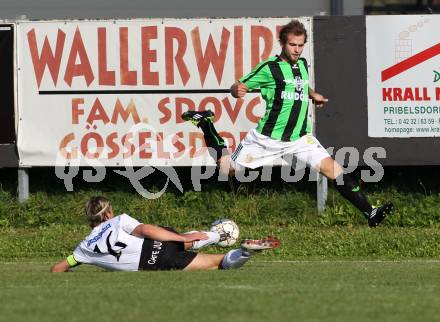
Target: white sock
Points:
x,y
213,238
235,258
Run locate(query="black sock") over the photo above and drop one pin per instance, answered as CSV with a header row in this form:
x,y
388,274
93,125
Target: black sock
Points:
x,y
351,191
216,145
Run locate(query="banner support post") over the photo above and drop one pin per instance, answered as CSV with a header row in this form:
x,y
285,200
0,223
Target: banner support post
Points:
x,y
322,192
23,184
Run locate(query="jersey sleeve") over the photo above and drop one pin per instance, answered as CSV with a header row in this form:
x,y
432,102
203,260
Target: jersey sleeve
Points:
x,y
72,262
127,223
79,256
258,77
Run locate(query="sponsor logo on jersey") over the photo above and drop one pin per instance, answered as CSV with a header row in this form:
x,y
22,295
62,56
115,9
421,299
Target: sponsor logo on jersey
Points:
x,y
298,82
99,235
249,158
293,96
310,140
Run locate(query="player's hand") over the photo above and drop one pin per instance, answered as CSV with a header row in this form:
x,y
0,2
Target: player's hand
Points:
x,y
190,237
319,99
238,90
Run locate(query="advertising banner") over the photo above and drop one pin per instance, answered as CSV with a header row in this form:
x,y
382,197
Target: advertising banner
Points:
x,y
111,92
403,67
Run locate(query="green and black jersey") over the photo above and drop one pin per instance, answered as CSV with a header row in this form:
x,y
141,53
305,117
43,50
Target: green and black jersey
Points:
x,y
285,88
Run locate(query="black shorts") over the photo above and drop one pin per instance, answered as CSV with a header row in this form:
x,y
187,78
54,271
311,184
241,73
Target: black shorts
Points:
x,y
164,255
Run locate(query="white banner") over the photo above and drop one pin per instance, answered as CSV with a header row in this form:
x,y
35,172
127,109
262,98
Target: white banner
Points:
x,y
112,92
403,66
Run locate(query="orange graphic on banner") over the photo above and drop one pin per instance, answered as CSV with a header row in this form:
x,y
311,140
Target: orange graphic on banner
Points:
x,y
47,58
171,34
106,77
210,57
82,69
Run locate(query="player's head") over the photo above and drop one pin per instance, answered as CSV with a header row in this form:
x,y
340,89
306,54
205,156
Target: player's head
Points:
x,y
98,210
292,38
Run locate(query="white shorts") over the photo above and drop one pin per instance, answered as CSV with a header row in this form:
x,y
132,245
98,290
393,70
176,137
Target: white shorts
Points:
x,y
257,150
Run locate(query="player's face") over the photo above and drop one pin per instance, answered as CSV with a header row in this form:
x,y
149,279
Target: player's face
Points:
x,y
293,47
109,214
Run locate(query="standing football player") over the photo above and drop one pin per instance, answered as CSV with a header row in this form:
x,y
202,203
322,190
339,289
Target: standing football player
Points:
x,y
285,128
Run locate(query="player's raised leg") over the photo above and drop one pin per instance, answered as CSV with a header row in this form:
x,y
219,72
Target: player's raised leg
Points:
x,y
351,191
216,145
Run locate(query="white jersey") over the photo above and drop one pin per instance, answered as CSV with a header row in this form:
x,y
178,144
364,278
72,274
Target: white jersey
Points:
x,y
111,246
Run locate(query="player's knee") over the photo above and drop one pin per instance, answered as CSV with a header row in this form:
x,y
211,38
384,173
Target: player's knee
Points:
x,y
330,168
225,166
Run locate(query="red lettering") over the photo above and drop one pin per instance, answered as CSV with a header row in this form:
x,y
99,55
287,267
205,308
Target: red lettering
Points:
x,y
85,145
128,145
161,154
110,141
63,144
162,106
232,111
242,135
83,68
397,94
76,111
425,94
97,113
210,57
171,34
47,58
106,77
437,93
193,138
128,77
386,94
144,146
120,112
278,28
257,33
148,56
238,51
180,103
408,94
215,104
178,144
250,110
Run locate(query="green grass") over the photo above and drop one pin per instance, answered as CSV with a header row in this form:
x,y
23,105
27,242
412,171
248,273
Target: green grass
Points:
x,y
298,242
330,267
262,291
414,191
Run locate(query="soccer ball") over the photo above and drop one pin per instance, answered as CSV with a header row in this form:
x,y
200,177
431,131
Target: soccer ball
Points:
x,y
228,231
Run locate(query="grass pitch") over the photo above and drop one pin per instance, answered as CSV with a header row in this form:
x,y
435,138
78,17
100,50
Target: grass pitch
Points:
x,y
406,290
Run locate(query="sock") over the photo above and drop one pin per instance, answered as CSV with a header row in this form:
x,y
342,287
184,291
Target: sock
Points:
x,y
351,191
216,145
235,258
213,238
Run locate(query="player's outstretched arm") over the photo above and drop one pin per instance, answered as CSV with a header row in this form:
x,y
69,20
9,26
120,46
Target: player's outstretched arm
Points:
x,y
318,99
239,89
60,267
159,233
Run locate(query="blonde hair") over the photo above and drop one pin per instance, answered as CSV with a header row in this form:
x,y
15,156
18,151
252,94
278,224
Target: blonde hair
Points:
x,y
96,208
